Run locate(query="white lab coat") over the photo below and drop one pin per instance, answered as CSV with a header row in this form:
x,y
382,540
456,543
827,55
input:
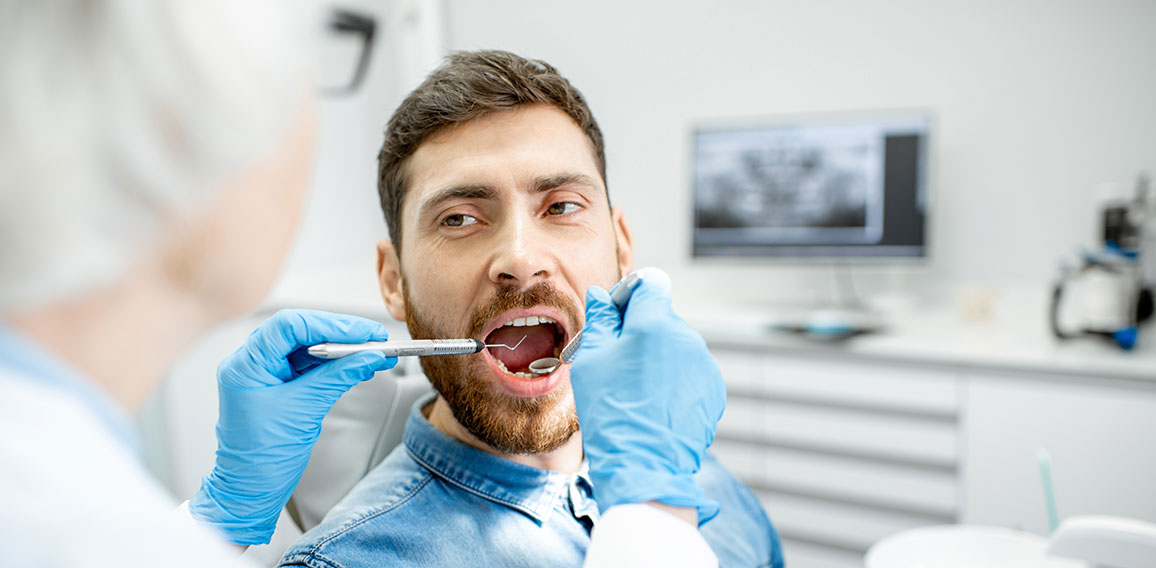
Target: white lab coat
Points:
x,y
74,494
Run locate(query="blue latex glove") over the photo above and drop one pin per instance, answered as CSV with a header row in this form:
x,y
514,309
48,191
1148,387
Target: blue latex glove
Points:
x,y
649,396
273,396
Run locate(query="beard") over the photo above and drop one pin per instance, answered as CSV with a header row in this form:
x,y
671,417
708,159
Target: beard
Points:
x,y
509,424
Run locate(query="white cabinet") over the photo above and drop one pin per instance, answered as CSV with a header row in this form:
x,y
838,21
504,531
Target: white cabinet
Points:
x,y
1101,435
846,447
841,452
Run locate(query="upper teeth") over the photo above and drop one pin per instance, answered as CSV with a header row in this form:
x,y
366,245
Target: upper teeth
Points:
x,y
529,320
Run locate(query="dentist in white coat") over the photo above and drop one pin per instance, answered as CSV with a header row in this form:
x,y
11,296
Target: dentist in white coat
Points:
x,y
154,158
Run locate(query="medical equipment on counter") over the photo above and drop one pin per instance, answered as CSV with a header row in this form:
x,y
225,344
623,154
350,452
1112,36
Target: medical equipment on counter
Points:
x,y
1044,460
406,348
620,297
1100,297
1107,294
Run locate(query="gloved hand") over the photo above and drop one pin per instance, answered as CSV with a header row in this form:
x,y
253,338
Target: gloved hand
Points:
x,y
273,396
649,396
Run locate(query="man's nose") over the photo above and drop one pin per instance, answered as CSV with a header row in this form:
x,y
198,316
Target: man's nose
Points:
x,y
522,255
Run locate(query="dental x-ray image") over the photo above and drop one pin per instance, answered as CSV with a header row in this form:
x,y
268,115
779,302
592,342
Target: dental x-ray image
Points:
x,y
791,185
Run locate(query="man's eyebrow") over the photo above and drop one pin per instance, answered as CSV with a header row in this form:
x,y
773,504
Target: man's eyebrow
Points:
x,y
550,182
455,192
481,191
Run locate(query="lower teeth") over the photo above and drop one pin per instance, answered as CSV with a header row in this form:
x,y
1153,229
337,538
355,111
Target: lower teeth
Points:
x,y
522,374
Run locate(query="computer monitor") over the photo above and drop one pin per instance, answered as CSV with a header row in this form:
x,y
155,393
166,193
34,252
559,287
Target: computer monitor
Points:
x,y
815,187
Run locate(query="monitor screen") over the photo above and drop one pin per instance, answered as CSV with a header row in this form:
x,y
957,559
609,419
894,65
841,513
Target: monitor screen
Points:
x,y
827,187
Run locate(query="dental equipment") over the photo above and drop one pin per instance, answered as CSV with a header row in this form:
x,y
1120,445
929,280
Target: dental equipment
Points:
x,y
620,297
1044,459
406,347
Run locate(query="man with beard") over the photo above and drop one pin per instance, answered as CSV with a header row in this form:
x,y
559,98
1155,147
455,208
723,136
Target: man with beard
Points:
x,y
492,181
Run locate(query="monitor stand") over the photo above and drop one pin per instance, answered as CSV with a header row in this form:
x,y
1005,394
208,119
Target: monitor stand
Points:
x,y
843,318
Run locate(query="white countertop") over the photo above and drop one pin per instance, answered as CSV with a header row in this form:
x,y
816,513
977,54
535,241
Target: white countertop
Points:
x,y
1018,343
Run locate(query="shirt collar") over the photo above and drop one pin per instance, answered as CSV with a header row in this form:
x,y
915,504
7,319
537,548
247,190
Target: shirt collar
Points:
x,y
531,490
29,360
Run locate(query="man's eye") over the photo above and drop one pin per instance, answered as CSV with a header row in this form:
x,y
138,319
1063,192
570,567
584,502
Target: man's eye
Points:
x,y
563,207
459,220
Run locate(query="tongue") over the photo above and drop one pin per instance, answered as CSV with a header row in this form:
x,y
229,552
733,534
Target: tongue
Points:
x,y
539,343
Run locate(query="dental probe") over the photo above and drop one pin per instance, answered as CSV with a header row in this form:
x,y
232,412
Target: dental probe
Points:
x,y
620,297
406,348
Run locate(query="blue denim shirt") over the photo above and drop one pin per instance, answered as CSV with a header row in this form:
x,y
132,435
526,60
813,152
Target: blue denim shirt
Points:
x,y
435,501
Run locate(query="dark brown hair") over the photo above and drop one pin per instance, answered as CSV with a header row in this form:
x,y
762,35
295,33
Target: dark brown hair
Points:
x,y
468,85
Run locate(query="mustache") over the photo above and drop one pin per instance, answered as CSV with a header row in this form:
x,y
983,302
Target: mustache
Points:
x,y
512,297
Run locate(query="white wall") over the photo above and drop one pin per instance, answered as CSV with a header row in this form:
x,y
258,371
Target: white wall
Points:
x,y
1037,103
342,221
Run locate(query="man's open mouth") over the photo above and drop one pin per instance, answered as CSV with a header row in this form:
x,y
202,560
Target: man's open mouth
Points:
x,y
543,337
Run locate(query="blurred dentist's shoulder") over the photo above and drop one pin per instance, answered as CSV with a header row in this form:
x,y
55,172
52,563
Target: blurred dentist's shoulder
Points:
x,y
118,116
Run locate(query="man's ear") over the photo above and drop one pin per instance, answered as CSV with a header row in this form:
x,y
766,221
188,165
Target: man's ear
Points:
x,y
625,242
389,277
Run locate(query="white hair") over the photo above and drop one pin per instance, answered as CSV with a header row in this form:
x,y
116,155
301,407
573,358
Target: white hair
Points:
x,y
117,115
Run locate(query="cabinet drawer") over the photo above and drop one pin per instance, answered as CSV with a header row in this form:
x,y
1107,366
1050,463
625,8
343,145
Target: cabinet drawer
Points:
x,y
867,435
844,383
843,480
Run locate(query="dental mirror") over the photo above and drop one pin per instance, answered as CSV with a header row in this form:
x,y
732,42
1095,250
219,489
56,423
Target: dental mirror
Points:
x,y
545,365
619,297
